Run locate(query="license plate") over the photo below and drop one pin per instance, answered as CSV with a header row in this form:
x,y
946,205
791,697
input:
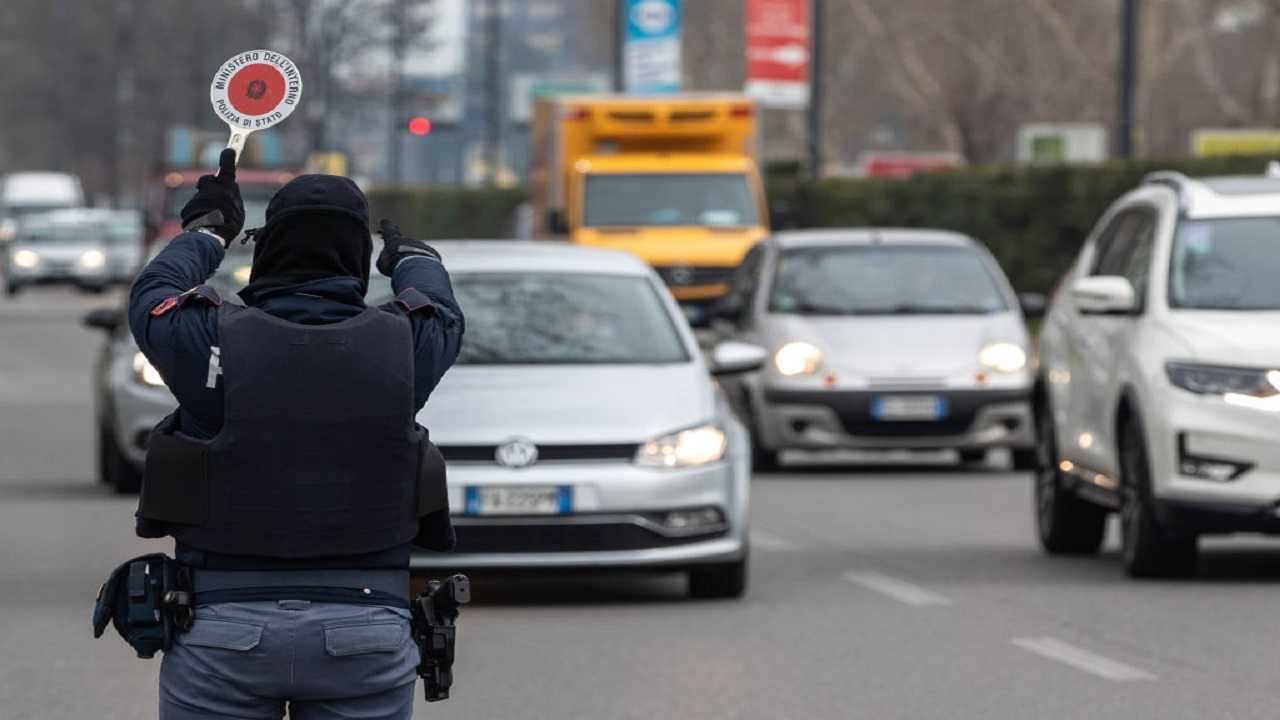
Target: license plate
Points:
x,y
541,500
908,407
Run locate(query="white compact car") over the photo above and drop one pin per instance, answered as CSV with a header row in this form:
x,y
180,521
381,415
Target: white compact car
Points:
x,y
1159,387
881,339
87,247
581,425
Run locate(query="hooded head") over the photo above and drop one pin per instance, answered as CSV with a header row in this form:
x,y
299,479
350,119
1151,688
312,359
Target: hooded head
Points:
x,y
317,227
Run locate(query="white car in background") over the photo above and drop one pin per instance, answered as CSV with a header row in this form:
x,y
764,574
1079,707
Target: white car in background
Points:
x,y
881,339
87,247
1159,392
26,193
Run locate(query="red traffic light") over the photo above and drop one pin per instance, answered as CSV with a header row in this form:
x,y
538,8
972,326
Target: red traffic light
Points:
x,y
419,126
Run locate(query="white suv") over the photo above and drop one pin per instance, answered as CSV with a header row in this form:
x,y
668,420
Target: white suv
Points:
x,y
1159,379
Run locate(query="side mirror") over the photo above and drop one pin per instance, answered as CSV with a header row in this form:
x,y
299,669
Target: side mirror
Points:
x,y
1033,304
731,357
556,223
1104,294
107,319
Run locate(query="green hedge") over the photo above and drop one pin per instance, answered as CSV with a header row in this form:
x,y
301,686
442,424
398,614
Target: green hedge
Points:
x,y
1033,218
437,213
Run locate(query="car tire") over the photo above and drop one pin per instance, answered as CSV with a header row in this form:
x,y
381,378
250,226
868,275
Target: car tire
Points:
x,y
113,467
12,289
719,580
1025,459
973,456
1147,549
763,459
1066,524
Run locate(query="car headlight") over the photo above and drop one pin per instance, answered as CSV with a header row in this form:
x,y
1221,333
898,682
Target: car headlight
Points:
x,y
695,446
1004,357
93,259
1229,382
797,358
145,372
26,259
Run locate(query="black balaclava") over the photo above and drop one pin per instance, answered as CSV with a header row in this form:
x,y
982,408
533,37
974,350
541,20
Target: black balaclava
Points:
x,y
317,227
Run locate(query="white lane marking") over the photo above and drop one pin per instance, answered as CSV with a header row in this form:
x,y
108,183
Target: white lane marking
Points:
x,y
899,590
771,543
1081,659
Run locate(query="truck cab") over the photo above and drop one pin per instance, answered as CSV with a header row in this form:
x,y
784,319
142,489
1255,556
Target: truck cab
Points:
x,y
673,180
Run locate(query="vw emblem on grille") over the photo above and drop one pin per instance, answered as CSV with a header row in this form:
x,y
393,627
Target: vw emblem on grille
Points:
x,y
681,275
516,453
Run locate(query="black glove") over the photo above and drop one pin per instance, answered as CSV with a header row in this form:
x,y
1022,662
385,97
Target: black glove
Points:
x,y
217,204
397,247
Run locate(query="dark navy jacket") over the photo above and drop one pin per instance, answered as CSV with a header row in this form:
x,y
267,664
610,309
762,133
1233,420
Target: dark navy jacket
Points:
x,y
180,343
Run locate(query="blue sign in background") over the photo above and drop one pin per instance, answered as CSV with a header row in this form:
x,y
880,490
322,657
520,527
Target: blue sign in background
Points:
x,y
651,52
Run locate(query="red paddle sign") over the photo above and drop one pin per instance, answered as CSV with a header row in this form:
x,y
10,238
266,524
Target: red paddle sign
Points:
x,y
253,91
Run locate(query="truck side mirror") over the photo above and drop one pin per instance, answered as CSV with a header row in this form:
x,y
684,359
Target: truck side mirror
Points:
x,y
556,223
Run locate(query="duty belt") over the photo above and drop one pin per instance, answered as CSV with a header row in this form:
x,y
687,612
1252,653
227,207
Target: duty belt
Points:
x,y
372,586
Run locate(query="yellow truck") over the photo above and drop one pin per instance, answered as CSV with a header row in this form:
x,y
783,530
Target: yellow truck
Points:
x,y
672,179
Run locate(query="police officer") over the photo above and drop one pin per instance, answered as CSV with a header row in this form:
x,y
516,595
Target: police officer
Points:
x,y
293,477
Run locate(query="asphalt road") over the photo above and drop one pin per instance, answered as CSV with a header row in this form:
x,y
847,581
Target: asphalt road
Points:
x,y
890,591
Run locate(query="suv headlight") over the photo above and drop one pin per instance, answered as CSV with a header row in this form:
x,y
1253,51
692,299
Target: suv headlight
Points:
x,y
696,446
92,259
1219,380
145,372
797,358
1005,357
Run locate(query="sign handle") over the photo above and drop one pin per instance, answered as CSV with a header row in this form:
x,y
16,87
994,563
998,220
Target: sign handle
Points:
x,y
236,142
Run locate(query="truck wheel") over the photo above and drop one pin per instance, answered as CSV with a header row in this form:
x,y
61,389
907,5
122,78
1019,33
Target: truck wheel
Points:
x,y
721,580
1148,551
1066,524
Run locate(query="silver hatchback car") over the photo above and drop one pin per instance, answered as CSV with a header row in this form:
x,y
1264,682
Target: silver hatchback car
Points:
x,y
581,425
881,339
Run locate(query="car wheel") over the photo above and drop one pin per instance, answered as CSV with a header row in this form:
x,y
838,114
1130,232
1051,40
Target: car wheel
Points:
x,y
12,289
763,459
973,456
1148,550
1027,459
114,468
721,580
1066,524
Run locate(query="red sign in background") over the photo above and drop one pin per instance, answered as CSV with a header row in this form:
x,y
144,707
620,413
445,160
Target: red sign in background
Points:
x,y
256,89
777,40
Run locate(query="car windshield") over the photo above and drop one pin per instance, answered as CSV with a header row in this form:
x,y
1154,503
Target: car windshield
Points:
x,y
712,200
885,280
1226,264
564,319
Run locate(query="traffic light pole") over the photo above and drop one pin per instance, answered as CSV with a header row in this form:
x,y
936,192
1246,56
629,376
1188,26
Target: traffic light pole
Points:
x,y
1128,77
815,89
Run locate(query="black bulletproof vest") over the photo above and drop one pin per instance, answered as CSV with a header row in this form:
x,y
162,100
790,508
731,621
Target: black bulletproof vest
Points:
x,y
319,454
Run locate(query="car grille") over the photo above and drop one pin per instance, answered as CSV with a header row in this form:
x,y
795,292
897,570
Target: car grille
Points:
x,y
533,537
854,410
684,276
486,453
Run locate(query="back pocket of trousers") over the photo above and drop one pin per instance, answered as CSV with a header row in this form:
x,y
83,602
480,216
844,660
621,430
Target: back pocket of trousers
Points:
x,y
378,637
223,634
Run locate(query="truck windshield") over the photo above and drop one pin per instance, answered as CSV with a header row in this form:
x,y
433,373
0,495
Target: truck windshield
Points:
x,y
713,200
1226,264
564,319
885,280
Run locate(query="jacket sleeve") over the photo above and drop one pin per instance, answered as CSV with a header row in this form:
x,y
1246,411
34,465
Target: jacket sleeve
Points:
x,y
437,336
179,342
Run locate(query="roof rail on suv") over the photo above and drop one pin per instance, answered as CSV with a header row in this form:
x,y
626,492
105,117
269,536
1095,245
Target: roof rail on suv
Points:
x,y
1181,185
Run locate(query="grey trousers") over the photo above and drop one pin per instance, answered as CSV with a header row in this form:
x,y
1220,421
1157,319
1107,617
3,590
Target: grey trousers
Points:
x,y
325,661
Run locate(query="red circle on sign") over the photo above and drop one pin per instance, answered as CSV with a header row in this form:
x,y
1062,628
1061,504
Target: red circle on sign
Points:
x,y
256,89
419,126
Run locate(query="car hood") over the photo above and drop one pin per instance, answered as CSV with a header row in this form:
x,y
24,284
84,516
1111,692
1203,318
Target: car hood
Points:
x,y
900,346
1228,338
567,404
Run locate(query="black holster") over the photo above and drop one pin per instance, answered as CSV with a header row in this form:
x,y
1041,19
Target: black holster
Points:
x,y
149,600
